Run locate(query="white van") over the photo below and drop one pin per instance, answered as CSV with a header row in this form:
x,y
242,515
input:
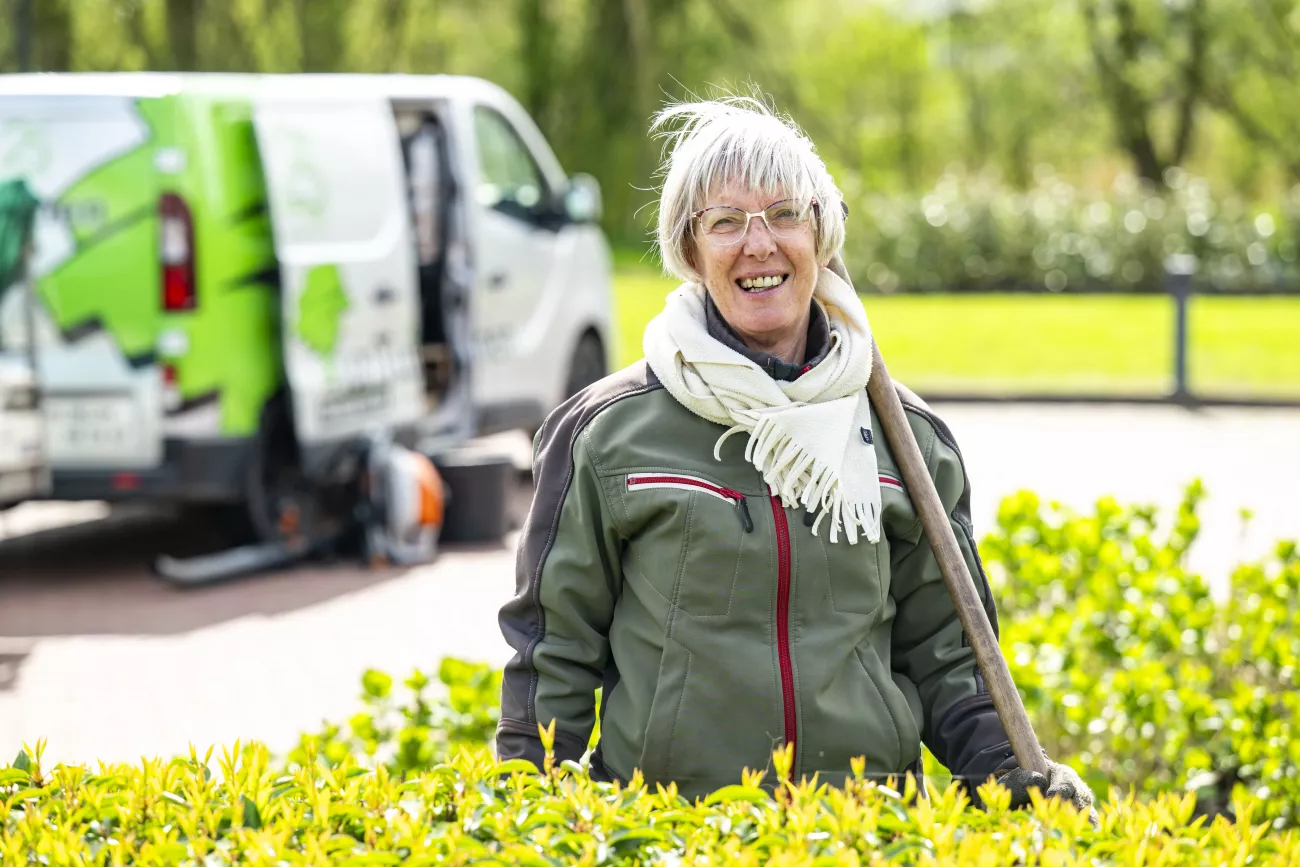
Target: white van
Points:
x,y
239,277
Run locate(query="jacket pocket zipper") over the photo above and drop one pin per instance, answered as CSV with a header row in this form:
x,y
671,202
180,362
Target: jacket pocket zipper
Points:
x,y
676,481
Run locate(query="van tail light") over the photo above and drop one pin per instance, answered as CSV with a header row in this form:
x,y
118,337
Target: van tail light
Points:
x,y
171,393
176,253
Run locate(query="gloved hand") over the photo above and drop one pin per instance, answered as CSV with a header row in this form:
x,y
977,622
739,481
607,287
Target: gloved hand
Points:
x,y
1063,782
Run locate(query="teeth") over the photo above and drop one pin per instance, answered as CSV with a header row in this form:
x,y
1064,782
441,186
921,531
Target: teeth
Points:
x,y
761,282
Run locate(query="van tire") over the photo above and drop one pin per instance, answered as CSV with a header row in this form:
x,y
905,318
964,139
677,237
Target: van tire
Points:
x,y
274,483
587,365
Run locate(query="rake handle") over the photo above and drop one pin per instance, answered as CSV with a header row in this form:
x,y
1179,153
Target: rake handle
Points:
x,y
956,575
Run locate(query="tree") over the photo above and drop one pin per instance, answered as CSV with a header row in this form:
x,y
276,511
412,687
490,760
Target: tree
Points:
x,y
538,30
1149,57
51,34
183,18
1254,76
1023,69
893,92
864,88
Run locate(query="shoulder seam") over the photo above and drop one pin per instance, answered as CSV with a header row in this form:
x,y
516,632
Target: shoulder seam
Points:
x,y
536,576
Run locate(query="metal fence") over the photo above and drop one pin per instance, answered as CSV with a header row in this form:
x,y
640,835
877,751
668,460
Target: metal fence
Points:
x,y
1179,288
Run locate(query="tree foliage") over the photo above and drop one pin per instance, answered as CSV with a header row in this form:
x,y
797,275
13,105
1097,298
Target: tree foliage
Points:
x,y
895,94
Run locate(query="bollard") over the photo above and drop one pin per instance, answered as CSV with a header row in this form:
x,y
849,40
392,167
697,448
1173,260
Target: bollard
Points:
x,y
1178,283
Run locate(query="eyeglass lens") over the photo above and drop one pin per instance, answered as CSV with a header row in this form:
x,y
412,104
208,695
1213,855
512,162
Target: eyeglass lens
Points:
x,y
725,223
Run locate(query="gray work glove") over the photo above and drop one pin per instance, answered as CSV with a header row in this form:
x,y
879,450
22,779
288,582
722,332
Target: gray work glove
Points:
x,y
1063,782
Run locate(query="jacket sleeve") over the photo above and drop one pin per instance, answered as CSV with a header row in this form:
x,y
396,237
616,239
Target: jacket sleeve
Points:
x,y
960,726
567,580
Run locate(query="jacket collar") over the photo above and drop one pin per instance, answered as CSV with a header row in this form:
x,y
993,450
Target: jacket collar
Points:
x,y
819,340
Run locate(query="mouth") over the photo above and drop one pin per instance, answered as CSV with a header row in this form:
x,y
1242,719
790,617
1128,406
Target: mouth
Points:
x,y
758,285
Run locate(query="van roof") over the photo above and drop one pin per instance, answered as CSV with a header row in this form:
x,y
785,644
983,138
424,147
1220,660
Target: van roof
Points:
x,y
157,84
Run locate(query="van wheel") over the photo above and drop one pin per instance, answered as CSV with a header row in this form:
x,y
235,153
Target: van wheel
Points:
x,y
281,502
587,365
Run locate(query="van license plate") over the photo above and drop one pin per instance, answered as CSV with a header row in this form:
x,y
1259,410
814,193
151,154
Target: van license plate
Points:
x,y
91,427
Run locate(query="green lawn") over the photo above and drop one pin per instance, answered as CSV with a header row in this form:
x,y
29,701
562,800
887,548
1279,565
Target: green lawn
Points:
x,y
1049,343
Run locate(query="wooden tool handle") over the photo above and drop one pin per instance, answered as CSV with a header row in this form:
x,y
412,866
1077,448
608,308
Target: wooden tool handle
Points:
x,y
961,585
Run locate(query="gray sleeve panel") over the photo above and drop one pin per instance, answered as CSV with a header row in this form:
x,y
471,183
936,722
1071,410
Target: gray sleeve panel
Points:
x,y
523,618
961,513
969,738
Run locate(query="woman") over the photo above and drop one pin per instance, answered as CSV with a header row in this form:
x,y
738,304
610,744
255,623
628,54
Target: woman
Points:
x,y
720,538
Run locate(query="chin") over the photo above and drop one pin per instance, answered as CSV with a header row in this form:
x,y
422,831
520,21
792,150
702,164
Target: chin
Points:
x,y
766,323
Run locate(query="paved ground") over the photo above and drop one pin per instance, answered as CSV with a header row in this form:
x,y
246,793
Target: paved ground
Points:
x,y
106,662
1245,458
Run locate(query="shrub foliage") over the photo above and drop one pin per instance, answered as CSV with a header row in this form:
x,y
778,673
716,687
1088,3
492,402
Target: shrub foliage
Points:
x,y
1178,705
470,809
974,234
1133,671
412,732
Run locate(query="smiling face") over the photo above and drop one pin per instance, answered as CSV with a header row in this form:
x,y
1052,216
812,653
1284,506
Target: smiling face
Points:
x,y
762,284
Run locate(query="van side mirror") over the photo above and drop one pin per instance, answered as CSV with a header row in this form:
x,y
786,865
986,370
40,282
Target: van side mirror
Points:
x,y
582,199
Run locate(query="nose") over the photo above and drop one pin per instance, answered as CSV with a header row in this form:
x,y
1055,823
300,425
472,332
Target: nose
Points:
x,y
758,240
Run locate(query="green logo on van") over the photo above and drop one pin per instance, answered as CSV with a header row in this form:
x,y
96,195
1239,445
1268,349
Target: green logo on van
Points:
x,y
320,308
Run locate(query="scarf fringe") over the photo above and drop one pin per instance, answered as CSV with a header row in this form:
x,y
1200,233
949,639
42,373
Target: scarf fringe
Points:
x,y
798,463
800,478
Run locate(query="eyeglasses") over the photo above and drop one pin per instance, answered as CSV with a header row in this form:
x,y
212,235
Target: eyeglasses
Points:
x,y
724,225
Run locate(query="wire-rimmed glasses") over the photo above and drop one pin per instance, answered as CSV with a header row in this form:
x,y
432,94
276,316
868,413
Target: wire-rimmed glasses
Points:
x,y
724,225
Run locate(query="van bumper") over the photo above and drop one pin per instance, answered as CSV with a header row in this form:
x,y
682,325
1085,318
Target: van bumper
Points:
x,y
210,471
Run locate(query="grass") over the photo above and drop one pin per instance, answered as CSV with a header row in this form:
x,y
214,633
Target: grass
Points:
x,y
1060,344
1245,343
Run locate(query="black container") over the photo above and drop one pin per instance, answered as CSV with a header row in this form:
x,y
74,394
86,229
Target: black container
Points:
x,y
478,498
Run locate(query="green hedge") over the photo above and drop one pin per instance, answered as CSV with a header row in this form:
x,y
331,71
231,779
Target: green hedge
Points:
x,y
1132,671
412,732
469,809
972,234
1178,707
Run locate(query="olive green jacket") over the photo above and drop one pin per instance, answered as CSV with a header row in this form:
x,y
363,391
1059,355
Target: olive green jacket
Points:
x,y
717,624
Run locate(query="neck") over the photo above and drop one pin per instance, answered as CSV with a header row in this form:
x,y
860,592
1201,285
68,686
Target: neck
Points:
x,y
791,347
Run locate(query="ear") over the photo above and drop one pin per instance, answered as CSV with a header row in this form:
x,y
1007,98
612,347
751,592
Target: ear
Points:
x,y
689,250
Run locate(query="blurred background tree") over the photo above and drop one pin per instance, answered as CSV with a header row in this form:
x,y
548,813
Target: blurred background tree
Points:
x,y
898,94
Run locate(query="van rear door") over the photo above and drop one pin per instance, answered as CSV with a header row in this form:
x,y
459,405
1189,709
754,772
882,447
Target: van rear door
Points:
x,y
24,470
94,270
24,473
350,297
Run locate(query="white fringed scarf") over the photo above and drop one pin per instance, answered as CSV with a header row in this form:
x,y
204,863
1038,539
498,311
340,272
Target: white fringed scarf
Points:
x,y
811,438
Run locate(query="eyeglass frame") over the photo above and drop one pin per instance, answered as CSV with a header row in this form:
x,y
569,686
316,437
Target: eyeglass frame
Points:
x,y
813,207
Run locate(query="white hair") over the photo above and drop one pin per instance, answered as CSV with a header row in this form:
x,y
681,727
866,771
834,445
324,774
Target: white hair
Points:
x,y
740,140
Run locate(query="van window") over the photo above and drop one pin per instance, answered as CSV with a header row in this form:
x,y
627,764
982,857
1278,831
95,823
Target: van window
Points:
x,y
424,186
509,179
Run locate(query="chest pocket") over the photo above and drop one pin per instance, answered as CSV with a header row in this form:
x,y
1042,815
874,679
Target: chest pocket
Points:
x,y
858,575
693,537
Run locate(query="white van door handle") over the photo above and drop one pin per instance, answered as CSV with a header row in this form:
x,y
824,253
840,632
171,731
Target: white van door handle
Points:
x,y
497,281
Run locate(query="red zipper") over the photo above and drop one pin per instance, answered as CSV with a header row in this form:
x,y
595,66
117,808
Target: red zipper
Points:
x,y
783,616
653,480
